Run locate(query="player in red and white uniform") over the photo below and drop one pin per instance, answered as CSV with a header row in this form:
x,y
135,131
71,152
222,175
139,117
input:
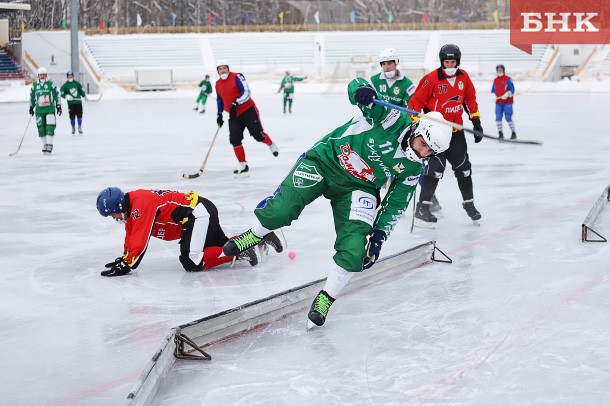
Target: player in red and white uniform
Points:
x,y
234,98
504,89
449,91
170,216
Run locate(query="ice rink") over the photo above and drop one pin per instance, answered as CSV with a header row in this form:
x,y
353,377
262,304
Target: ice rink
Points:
x,y
522,316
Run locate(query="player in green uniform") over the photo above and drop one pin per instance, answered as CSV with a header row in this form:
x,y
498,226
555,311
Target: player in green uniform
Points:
x,y
288,86
349,166
73,92
44,101
391,85
205,89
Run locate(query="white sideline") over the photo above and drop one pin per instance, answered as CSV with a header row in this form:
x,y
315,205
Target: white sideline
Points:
x,y
230,322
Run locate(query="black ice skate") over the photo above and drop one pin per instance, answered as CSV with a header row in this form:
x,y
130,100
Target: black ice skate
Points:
x,y
500,135
472,211
73,130
513,136
242,169
435,207
423,217
252,256
319,309
80,130
240,244
275,240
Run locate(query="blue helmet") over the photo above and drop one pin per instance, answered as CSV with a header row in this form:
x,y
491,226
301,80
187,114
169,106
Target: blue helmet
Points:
x,y
69,73
110,201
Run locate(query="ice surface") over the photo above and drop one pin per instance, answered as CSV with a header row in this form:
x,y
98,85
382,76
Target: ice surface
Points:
x,y
521,316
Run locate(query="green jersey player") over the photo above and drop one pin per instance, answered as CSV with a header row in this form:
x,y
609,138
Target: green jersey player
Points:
x,y
391,85
349,166
288,86
205,89
44,101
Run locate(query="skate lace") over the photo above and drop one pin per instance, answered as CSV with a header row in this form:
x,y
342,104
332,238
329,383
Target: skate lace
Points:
x,y
322,304
246,240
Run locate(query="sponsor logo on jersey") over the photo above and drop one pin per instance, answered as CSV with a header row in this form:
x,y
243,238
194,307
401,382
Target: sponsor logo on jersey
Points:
x,y
161,233
363,207
461,85
454,109
396,91
305,176
411,180
354,164
399,167
135,214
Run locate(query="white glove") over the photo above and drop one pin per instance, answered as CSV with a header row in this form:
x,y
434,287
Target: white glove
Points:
x,y
69,98
506,95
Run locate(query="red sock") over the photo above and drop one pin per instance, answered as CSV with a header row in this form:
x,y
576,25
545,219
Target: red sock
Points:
x,y
240,153
267,140
210,257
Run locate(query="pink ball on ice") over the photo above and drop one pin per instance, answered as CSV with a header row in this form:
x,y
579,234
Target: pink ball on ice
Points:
x,y
292,255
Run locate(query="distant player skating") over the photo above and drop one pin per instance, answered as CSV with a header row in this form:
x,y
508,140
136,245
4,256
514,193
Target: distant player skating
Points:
x,y
73,92
205,89
288,86
504,89
447,90
169,216
234,98
44,102
349,166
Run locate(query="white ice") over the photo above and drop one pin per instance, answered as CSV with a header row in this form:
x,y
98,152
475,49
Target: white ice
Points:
x,y
521,316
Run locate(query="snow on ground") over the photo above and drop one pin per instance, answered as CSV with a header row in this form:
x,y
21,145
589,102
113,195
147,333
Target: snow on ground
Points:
x,y
521,316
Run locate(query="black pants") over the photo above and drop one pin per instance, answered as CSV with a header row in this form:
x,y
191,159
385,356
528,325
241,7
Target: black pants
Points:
x,y
75,110
457,155
215,236
248,119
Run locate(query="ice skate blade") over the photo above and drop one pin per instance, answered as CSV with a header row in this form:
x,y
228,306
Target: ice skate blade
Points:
x,y
438,214
424,224
310,325
476,222
244,175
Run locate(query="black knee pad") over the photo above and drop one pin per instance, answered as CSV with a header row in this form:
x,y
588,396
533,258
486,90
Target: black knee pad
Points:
x,y
463,172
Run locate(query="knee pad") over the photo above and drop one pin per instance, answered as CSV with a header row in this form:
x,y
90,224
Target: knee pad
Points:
x,y
463,173
258,136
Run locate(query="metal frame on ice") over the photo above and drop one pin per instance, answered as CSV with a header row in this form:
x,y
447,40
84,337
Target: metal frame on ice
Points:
x,y
211,329
587,224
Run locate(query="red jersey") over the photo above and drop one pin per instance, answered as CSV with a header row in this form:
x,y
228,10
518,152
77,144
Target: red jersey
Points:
x,y
503,84
437,92
157,213
233,88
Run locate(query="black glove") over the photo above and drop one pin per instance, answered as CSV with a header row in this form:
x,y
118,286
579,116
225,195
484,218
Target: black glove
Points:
x,y
116,268
233,110
31,110
365,95
376,239
59,110
219,120
476,124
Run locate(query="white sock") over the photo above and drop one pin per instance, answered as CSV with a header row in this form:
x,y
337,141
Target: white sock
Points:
x,y
511,124
336,281
499,125
259,230
49,140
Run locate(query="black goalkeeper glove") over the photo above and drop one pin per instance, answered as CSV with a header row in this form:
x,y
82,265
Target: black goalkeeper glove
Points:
x,y
365,95
476,124
376,239
31,110
233,110
59,110
219,120
116,268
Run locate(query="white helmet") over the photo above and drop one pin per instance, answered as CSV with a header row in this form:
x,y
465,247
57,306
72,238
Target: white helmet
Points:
x,y
436,135
41,71
388,54
222,62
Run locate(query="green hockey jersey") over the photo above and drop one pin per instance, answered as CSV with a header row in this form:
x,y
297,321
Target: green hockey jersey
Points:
x,y
73,89
288,83
205,87
44,97
367,150
397,91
